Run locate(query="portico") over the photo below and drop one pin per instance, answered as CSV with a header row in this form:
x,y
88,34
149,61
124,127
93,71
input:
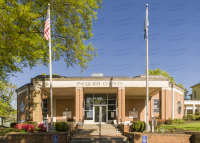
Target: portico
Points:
x,y
109,99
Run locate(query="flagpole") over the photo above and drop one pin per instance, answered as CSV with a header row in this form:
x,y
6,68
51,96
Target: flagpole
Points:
x,y
52,129
147,81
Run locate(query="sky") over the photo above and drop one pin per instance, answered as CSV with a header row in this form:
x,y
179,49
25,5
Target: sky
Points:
x,y
174,38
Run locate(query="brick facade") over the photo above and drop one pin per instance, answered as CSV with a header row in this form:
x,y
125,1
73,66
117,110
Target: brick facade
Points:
x,y
178,97
74,100
156,96
121,104
22,97
79,104
139,105
61,105
165,104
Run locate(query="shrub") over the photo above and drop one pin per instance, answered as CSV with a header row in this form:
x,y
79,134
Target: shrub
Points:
x,y
179,121
197,117
32,123
169,121
159,123
41,127
12,125
139,126
26,127
197,113
61,126
190,117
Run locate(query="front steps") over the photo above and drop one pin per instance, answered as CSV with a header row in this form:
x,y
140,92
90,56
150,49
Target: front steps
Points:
x,y
93,129
89,133
99,140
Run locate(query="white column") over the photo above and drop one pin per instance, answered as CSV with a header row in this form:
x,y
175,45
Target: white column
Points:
x,y
185,110
193,109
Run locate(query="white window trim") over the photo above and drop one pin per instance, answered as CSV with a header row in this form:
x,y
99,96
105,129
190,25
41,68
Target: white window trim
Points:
x,y
158,105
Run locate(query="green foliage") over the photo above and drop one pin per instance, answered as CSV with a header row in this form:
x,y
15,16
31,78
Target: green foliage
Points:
x,y
32,123
22,33
43,73
178,121
188,126
8,95
12,125
166,74
161,72
7,130
139,126
190,117
61,126
197,117
169,122
197,113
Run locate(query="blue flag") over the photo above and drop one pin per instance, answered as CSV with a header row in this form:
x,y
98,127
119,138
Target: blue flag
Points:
x,y
146,24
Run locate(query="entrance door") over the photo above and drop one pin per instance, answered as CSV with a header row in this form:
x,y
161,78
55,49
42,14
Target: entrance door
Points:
x,y
100,112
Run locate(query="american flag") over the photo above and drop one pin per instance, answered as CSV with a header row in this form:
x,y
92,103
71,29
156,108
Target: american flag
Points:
x,y
47,28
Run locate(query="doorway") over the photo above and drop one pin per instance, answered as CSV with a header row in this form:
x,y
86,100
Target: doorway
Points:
x,y
100,113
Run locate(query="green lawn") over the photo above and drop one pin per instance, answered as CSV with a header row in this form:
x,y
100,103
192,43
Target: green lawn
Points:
x,y
190,126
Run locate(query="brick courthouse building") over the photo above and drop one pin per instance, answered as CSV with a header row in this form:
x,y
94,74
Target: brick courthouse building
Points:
x,y
117,99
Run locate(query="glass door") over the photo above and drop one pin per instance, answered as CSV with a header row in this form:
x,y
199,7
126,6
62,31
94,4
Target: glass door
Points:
x,y
100,111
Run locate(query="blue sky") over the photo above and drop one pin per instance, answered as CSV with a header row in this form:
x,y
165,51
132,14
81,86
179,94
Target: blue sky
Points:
x,y
174,40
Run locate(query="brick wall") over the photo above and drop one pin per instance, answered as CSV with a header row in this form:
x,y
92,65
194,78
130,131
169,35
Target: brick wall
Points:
x,y
36,138
159,138
62,104
22,97
79,104
165,104
36,105
139,105
121,104
178,97
156,96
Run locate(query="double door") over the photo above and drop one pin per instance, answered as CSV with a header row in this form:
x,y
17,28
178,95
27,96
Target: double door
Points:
x,y
100,114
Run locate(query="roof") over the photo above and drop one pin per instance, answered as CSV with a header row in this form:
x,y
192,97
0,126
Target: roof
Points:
x,y
195,85
64,78
91,78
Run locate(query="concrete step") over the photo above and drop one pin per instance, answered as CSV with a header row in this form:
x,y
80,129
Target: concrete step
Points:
x,y
97,138
102,141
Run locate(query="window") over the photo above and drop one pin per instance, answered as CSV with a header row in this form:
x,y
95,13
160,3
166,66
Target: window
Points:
x,y
44,105
155,105
194,94
88,105
179,107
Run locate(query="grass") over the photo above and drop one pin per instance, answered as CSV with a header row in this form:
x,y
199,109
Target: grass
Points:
x,y
7,130
189,126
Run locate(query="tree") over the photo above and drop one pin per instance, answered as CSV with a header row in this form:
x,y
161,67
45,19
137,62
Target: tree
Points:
x,y
22,33
7,94
166,74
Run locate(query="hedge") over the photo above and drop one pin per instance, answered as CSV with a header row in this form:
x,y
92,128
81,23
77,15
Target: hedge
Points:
x,y
61,126
12,125
139,126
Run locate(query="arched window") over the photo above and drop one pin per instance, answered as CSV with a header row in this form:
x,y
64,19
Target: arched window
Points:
x,y
179,107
